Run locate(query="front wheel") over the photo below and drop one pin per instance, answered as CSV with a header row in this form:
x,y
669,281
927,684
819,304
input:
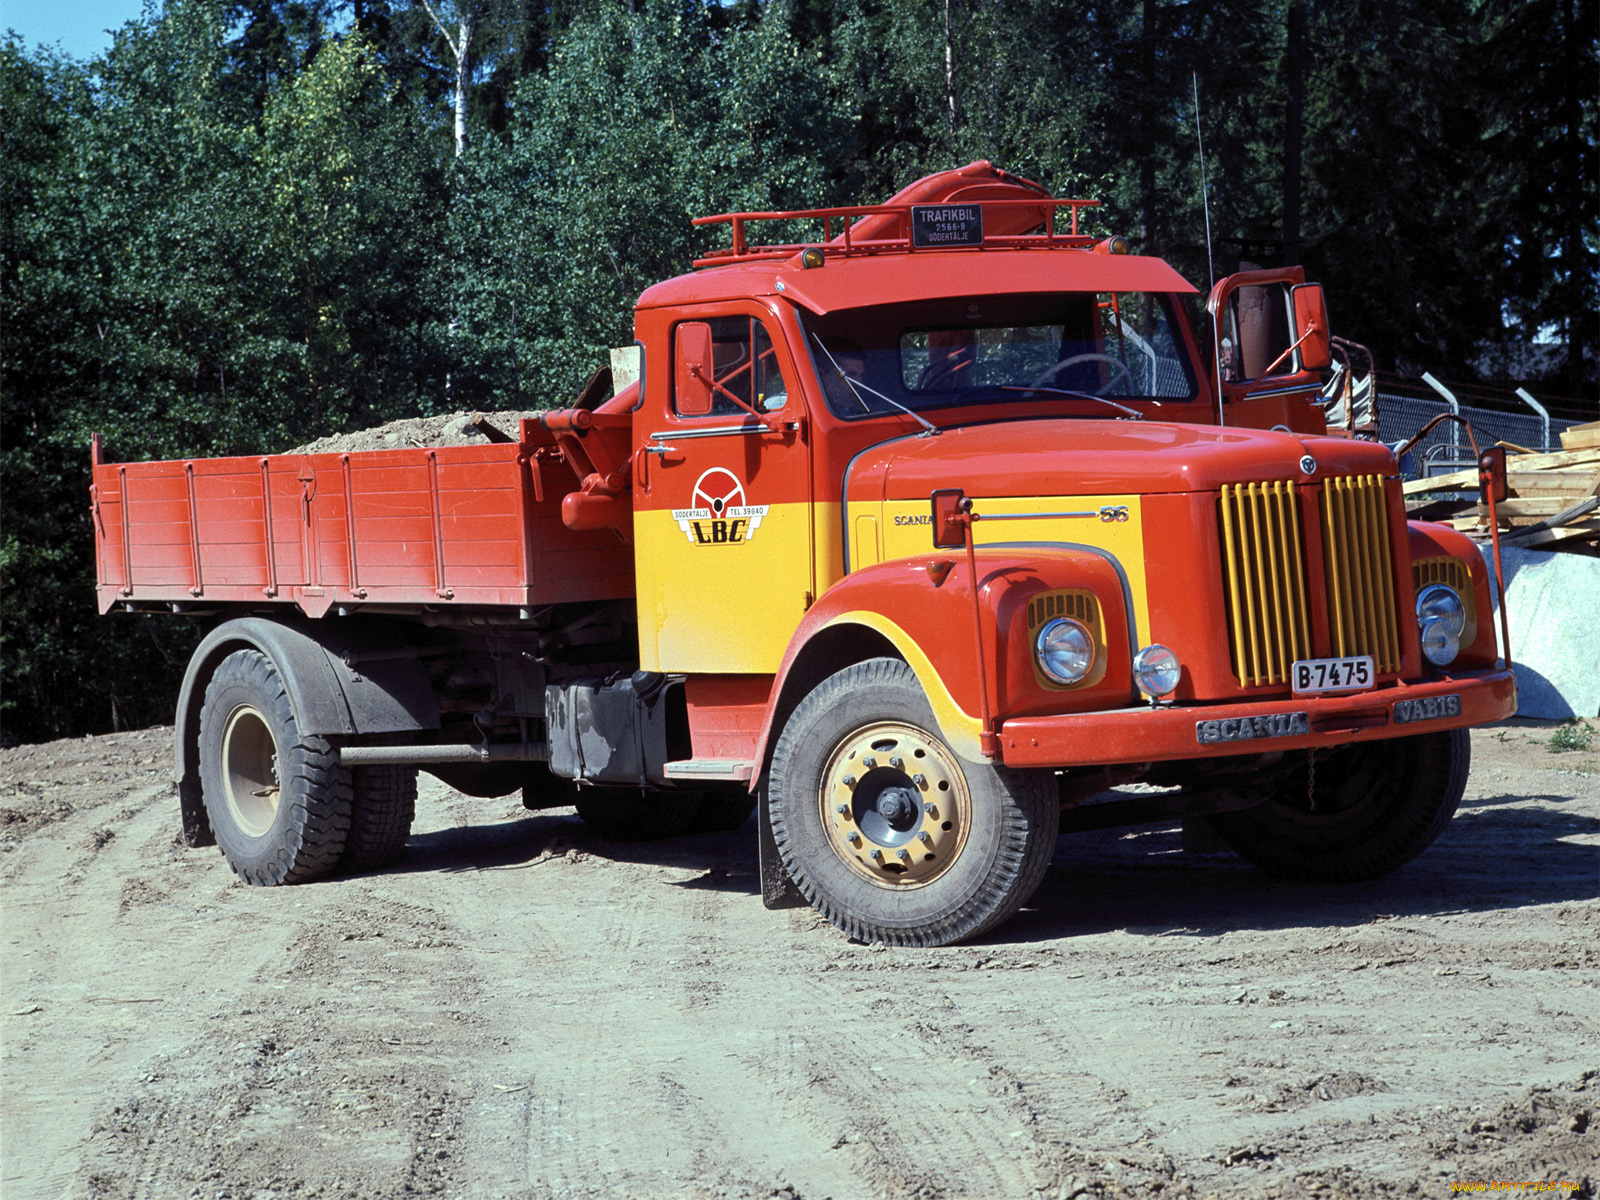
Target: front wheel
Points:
x,y
1369,809
886,831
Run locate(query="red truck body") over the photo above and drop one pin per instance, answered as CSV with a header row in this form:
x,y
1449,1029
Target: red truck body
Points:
x,y
735,581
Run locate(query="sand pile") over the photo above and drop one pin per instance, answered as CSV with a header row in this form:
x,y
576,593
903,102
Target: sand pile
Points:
x,y
446,429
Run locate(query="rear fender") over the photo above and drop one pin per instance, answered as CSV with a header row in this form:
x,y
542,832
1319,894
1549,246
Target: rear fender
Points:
x,y
329,697
931,630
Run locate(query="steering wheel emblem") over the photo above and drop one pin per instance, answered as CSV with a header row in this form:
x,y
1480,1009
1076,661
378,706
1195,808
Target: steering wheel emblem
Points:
x,y
719,515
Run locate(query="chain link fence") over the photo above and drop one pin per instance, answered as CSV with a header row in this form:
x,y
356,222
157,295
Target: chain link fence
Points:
x,y
1446,448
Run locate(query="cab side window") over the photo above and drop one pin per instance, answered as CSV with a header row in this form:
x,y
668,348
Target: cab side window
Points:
x,y
1256,333
744,370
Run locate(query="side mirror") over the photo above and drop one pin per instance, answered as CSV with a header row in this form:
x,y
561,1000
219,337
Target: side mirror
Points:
x,y
1492,474
1311,323
950,508
691,367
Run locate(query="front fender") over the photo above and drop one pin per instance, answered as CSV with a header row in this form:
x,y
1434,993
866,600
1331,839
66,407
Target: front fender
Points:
x,y
896,608
1429,543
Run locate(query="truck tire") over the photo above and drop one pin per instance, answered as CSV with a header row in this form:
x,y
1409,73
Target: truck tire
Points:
x,y
1375,807
624,814
278,800
383,804
886,831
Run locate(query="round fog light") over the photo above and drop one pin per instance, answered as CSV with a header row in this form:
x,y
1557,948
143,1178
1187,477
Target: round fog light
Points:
x,y
1156,670
1065,651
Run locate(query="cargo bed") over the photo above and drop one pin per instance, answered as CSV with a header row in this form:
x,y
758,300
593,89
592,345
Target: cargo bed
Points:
x,y
447,526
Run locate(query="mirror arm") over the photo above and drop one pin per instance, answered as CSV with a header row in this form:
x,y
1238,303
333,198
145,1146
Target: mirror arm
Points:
x,y
1311,327
765,418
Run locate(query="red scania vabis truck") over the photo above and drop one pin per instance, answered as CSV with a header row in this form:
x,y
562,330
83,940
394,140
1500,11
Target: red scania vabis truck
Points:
x,y
917,539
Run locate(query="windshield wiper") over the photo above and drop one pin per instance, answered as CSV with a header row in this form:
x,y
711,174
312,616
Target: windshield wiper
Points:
x,y
1133,413
929,429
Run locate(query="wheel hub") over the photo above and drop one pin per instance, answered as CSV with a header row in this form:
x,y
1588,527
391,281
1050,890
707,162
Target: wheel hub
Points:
x,y
895,805
250,770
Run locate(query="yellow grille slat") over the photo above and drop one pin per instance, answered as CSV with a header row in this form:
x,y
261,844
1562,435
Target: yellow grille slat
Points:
x,y
1264,574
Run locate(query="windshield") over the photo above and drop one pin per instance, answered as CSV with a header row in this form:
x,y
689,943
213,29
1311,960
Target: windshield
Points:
x,y
945,352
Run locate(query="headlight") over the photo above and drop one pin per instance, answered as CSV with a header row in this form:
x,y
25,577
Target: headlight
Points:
x,y
1065,651
1441,617
1156,670
1437,601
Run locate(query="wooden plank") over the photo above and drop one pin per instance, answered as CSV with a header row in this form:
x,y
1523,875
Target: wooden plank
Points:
x,y
1520,464
1455,481
1576,532
1575,483
1581,437
1539,508
1558,458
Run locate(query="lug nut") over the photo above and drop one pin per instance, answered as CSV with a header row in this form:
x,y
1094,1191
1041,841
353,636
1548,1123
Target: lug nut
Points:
x,y
869,762
927,838
876,856
921,781
842,809
931,810
897,763
849,781
903,856
852,837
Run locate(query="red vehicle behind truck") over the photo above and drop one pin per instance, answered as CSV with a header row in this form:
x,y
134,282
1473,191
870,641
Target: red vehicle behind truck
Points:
x,y
917,539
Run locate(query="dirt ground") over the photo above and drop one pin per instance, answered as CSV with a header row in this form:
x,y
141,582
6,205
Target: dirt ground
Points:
x,y
522,1010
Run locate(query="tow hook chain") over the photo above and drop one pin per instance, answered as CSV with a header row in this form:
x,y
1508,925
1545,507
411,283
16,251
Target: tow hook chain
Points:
x,y
1311,779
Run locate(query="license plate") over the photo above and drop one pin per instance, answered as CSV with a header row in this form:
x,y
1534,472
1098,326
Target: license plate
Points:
x,y
1312,675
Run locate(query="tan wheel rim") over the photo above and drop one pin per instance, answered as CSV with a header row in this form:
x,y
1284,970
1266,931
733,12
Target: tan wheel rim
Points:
x,y
895,805
250,770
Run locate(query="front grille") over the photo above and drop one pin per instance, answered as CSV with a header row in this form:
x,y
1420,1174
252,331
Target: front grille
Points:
x,y
1263,564
1265,579
1355,556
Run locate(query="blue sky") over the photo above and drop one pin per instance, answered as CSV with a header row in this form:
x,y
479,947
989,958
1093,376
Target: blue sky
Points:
x,y
79,26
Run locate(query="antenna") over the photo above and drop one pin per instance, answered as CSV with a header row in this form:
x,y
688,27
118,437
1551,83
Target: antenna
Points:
x,y
1211,270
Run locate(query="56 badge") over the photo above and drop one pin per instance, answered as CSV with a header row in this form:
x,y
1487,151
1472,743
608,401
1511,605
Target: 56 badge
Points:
x,y
720,516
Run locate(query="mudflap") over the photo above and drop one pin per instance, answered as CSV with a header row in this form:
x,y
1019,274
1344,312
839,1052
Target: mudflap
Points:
x,y
777,889
196,824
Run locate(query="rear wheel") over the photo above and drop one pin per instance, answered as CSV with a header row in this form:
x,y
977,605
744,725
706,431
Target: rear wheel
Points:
x,y
624,814
1372,808
278,801
383,805
542,788
886,831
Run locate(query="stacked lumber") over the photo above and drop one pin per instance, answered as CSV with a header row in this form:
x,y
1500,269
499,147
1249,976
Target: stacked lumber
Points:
x,y
1553,500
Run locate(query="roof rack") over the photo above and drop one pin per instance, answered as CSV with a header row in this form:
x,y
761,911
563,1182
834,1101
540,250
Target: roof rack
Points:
x,y
743,251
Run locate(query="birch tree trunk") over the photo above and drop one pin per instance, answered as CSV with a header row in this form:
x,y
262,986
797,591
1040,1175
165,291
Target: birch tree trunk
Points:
x,y
949,71
463,47
461,51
